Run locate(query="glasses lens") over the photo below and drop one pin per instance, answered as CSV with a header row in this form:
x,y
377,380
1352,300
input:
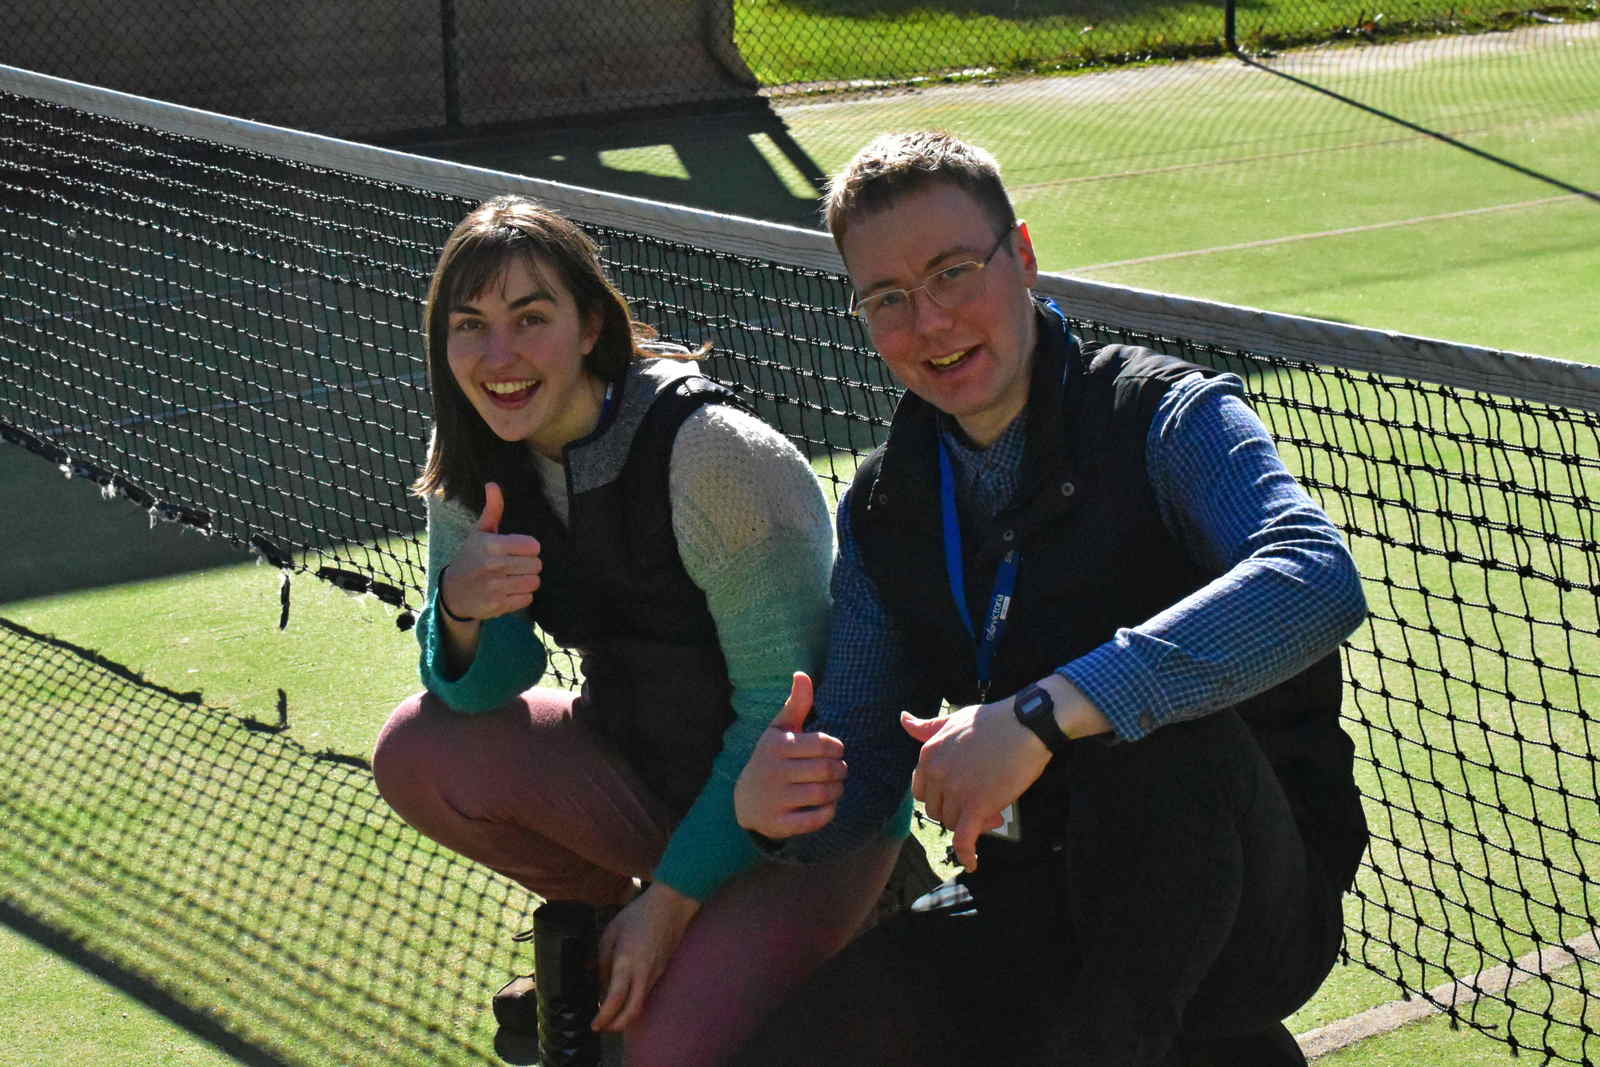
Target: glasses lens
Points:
x,y
957,284
950,287
885,311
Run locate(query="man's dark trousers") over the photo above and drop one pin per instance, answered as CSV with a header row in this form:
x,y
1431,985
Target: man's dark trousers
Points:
x,y
1175,915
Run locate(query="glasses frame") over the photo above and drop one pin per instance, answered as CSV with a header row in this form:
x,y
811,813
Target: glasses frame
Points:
x,y
862,306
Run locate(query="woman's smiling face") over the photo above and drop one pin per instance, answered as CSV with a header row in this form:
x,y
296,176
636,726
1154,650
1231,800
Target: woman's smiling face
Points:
x,y
516,350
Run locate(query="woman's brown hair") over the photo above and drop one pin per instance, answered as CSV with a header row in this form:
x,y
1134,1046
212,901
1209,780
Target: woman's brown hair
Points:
x,y
462,446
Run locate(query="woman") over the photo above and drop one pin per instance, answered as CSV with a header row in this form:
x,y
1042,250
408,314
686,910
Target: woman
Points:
x,y
579,481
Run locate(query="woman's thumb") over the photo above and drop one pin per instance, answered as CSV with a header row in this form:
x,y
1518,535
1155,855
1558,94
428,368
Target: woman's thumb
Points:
x,y
494,506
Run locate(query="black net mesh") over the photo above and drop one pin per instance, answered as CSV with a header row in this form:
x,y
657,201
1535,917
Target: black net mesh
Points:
x,y
231,338
267,888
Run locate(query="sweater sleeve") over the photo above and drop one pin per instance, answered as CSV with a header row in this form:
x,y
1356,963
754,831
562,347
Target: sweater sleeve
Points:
x,y
510,656
753,533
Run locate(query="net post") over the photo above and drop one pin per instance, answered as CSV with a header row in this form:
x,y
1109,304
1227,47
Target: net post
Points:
x,y
449,72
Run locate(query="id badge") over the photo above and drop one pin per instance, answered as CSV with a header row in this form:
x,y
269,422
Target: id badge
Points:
x,y
1011,829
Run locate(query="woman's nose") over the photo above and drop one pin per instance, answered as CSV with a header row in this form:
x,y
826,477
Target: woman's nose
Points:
x,y
499,346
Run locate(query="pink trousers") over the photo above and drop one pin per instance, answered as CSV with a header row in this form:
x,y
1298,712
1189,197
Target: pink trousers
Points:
x,y
531,793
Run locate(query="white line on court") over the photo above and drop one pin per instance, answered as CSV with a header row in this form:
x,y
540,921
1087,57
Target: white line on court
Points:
x,y
1384,1018
1342,231
1260,157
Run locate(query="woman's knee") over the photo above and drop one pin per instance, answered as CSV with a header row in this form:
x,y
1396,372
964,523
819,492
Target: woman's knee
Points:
x,y
403,752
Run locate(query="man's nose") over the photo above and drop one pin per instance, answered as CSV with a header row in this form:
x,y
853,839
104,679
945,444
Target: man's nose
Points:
x,y
928,313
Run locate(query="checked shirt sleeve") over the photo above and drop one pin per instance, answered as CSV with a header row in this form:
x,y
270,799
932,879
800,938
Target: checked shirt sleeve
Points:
x,y
1286,593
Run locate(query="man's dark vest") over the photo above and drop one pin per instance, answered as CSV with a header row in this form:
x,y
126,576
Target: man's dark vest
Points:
x,y
613,590
1096,556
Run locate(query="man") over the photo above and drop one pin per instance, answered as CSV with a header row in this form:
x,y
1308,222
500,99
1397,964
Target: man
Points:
x,y
1095,554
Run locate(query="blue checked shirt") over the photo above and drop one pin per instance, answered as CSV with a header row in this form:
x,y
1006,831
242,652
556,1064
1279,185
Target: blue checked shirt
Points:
x,y
1288,593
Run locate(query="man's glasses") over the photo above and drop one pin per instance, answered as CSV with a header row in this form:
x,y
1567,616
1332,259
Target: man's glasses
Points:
x,y
950,287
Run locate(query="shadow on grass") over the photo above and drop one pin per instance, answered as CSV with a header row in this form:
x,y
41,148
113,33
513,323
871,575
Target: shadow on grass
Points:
x,y
68,537
261,895
137,986
738,161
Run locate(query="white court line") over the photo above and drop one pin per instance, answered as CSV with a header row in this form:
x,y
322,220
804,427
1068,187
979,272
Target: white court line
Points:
x,y
1260,157
1210,164
1384,1018
1290,239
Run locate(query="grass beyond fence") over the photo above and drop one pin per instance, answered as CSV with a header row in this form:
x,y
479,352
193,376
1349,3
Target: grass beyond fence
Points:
x,y
801,43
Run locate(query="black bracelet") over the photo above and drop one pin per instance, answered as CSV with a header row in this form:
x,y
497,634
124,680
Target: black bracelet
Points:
x,y
439,593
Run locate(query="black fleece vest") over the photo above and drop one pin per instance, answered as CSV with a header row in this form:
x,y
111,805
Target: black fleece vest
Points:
x,y
1095,556
613,590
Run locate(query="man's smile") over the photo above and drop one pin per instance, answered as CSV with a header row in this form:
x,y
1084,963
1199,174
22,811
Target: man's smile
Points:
x,y
946,362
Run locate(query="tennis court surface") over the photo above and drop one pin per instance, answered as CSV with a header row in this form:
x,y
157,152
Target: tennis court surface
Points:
x,y
218,322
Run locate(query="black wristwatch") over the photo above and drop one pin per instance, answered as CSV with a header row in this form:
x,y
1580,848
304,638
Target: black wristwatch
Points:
x,y
1037,712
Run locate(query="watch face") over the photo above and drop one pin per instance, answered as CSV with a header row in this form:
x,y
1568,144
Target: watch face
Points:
x,y
1033,701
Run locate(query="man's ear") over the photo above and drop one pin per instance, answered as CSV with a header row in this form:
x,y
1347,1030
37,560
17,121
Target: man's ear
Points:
x,y
1025,255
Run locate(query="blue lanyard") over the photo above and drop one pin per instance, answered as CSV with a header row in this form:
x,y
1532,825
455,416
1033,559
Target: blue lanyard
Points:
x,y
1005,577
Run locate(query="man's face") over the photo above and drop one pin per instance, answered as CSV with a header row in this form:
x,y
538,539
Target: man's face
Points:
x,y
970,360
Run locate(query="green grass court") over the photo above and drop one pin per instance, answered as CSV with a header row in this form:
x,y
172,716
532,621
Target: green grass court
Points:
x,y
1342,217
1210,180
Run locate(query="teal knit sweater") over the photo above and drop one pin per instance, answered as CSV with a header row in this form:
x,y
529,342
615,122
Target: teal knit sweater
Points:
x,y
753,532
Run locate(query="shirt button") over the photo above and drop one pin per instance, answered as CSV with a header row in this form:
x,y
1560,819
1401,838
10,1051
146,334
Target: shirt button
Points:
x,y
1009,536
1067,489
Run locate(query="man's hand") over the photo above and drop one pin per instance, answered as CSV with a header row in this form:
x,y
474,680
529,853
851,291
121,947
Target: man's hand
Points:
x,y
973,763
793,781
494,573
635,950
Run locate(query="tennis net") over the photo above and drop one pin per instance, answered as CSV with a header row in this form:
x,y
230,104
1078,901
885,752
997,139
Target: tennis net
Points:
x,y
220,321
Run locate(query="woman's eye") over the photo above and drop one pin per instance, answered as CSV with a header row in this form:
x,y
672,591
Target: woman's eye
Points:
x,y
464,325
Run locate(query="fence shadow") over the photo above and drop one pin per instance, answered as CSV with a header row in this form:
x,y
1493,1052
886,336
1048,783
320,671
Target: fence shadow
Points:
x,y
69,537
737,160
259,894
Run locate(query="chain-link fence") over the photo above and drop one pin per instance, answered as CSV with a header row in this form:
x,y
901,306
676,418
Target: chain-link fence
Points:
x,y
401,67
390,67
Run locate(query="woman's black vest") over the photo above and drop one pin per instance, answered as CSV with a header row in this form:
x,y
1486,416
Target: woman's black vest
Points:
x,y
1095,556
613,590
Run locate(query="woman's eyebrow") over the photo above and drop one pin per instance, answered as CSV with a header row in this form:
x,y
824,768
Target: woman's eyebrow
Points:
x,y
522,301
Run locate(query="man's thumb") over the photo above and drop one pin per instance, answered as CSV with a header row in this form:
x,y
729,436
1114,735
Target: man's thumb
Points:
x,y
494,506
919,729
792,716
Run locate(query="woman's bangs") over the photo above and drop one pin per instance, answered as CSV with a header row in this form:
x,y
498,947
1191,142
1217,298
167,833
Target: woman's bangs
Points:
x,y
482,258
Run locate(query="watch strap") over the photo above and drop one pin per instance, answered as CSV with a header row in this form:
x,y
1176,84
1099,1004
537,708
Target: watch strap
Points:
x,y
1036,710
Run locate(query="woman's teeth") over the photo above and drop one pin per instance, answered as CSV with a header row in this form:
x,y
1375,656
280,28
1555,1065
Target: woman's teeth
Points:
x,y
510,393
507,388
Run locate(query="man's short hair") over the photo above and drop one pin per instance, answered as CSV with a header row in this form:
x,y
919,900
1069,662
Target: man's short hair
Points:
x,y
895,165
